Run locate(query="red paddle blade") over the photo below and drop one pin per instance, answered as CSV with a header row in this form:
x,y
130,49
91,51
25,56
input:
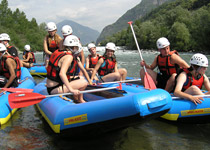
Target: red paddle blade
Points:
x,y
17,90
148,82
19,100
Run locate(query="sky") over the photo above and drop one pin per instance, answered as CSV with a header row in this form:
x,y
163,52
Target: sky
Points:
x,y
95,14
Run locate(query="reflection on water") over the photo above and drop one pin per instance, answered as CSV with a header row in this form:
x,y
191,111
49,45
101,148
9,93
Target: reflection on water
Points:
x,y
28,130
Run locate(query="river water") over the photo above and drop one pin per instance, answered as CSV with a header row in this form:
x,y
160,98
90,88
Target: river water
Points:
x,y
28,130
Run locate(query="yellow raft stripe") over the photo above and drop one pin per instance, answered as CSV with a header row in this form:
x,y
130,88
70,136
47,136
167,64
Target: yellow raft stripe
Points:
x,y
195,112
56,128
44,74
172,117
6,119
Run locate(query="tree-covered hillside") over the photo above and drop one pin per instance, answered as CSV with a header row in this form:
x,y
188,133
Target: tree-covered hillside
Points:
x,y
137,12
20,29
186,23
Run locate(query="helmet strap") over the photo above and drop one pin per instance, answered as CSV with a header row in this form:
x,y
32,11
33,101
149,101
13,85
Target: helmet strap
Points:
x,y
2,55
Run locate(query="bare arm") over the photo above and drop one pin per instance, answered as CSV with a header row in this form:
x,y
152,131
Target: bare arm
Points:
x,y
152,66
100,62
45,47
65,63
175,59
11,67
29,56
178,89
87,65
207,84
81,66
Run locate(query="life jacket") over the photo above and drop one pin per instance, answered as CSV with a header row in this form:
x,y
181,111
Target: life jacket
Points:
x,y
52,46
192,81
108,67
53,69
93,61
5,70
31,60
165,66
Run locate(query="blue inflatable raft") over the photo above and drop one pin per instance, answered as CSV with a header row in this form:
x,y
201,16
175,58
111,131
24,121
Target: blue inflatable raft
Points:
x,y
104,111
6,111
38,70
186,111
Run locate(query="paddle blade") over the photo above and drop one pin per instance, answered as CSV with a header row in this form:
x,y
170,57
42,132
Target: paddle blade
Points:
x,y
19,100
17,90
148,82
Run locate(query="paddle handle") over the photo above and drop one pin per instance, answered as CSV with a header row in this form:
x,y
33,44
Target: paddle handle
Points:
x,y
137,45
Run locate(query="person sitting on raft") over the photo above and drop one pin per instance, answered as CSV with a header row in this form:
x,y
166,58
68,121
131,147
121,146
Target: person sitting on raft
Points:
x,y
92,59
62,67
5,39
51,41
107,66
168,62
190,81
10,68
66,31
29,57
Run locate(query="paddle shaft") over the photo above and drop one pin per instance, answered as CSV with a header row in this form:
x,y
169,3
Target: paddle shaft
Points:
x,y
132,80
193,95
137,45
87,91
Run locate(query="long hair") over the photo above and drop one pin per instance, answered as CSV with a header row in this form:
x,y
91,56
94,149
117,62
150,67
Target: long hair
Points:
x,y
55,37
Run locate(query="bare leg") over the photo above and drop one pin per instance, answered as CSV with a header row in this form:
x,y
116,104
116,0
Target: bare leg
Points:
x,y
194,90
152,73
123,73
115,76
170,83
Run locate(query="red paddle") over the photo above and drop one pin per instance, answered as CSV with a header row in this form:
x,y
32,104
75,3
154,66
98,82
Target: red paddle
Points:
x,y
17,90
148,81
18,100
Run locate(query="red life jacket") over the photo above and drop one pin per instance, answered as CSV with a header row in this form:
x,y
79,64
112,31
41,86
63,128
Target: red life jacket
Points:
x,y
192,81
5,70
53,69
31,60
108,67
52,46
165,66
93,61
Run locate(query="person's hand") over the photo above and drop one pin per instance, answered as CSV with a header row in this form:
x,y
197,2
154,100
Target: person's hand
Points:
x,y
142,63
1,91
196,100
75,92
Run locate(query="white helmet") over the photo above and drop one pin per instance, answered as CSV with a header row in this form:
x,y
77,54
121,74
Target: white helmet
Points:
x,y
91,45
110,46
4,37
162,42
73,40
27,47
199,60
51,26
2,47
66,30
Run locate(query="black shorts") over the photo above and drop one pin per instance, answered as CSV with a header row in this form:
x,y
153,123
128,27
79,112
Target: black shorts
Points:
x,y
162,80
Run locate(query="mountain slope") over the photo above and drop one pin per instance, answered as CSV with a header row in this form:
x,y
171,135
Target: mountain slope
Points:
x,y
133,14
85,34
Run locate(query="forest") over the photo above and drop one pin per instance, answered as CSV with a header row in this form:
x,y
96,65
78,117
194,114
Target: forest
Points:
x,y
186,23
20,29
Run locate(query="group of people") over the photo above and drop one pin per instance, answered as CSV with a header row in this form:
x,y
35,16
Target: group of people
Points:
x,y
10,64
176,75
65,63
66,72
